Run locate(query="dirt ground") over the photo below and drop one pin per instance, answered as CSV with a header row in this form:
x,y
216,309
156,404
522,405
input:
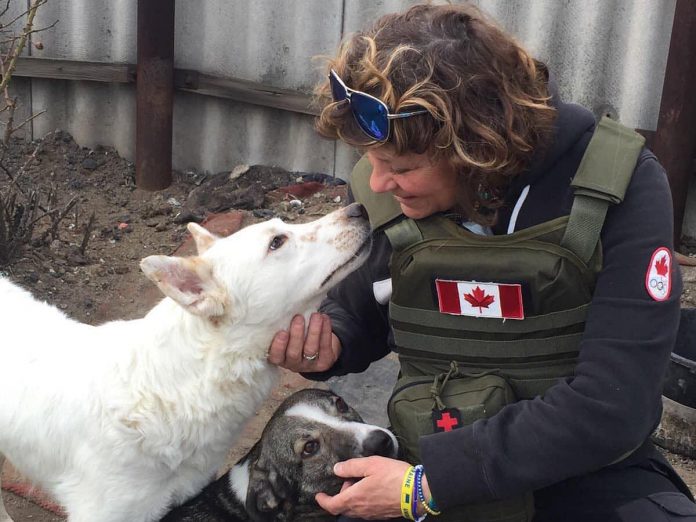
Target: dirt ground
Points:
x,y
88,267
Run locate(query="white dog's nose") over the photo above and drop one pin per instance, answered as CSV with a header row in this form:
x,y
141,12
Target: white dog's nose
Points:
x,y
356,210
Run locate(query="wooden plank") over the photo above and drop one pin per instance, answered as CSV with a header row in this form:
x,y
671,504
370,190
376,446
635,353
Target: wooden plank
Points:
x,y
185,80
75,70
244,91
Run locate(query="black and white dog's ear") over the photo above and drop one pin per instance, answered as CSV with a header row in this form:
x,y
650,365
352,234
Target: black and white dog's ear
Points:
x,y
269,496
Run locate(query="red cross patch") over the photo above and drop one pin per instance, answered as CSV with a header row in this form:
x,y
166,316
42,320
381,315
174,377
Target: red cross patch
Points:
x,y
446,420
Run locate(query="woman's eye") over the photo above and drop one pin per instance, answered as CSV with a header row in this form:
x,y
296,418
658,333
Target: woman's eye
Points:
x,y
277,242
310,448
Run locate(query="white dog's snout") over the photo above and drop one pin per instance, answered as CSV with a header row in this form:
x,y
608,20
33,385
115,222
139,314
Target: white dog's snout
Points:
x,y
356,210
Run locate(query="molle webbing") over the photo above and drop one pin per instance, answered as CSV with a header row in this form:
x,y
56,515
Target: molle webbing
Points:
x,y
532,353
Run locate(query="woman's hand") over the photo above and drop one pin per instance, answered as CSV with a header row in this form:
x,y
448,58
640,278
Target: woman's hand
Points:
x,y
316,351
372,490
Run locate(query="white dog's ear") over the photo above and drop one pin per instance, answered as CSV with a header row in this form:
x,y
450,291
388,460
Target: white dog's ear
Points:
x,y
203,239
187,280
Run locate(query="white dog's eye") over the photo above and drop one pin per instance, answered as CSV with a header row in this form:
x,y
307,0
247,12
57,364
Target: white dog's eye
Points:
x,y
277,242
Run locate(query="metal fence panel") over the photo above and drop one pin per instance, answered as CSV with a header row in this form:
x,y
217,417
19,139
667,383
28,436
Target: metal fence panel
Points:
x,y
608,55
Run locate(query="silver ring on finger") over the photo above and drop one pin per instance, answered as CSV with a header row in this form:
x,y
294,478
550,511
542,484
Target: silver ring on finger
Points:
x,y
310,357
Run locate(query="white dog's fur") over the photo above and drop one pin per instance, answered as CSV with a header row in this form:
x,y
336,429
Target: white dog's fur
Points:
x,y
122,420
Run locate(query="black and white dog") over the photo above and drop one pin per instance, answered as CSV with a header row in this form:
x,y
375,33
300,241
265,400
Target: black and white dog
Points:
x,y
277,480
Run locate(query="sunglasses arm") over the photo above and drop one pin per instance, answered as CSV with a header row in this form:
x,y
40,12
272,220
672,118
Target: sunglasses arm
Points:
x,y
400,115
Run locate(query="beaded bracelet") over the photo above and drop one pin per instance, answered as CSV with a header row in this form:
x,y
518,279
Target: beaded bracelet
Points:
x,y
418,491
429,506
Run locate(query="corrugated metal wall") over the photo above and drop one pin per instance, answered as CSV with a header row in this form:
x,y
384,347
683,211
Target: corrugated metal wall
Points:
x,y
606,54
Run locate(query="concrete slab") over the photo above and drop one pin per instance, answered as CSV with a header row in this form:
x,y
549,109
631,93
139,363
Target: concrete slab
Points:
x,y
368,392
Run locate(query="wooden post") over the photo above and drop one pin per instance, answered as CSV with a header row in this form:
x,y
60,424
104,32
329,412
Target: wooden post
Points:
x,y
675,138
155,94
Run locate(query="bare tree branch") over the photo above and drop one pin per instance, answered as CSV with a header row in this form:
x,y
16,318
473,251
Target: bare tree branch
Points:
x,y
20,206
31,13
35,5
5,9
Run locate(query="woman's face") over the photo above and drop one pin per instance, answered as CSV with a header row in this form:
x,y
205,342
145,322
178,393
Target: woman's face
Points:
x,y
420,186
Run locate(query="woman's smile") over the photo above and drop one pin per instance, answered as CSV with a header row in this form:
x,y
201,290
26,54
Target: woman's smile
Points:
x,y
421,186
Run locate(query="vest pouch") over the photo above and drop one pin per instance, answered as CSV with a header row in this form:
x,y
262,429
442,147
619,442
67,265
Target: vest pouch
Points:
x,y
413,403
455,399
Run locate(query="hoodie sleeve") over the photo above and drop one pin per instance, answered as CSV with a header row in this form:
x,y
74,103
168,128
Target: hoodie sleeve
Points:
x,y
612,403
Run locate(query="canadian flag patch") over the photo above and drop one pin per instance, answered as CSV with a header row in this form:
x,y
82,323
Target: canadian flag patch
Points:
x,y
499,300
658,278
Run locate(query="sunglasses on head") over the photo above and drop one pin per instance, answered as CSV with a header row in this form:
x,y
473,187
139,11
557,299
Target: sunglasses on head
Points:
x,y
371,114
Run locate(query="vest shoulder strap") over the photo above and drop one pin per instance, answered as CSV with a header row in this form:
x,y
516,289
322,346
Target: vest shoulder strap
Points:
x,y
381,208
602,178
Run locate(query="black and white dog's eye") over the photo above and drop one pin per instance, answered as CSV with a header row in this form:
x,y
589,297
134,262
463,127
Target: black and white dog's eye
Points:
x,y
341,405
277,242
310,448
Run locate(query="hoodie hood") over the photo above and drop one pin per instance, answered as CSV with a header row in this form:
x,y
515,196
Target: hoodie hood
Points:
x,y
556,164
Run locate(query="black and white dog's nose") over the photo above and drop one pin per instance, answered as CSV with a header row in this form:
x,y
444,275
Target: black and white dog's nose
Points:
x,y
356,210
380,443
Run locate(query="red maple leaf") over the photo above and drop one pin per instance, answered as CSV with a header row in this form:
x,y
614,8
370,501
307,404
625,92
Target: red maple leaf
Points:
x,y
661,266
478,299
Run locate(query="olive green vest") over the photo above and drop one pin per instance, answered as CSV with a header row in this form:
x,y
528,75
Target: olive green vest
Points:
x,y
555,264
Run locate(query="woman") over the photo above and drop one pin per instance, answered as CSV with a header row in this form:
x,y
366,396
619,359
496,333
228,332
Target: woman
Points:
x,y
542,332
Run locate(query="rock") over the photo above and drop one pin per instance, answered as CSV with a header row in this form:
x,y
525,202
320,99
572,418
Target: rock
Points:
x,y
238,171
325,179
225,197
677,429
263,213
77,259
89,164
186,216
155,209
688,273
303,190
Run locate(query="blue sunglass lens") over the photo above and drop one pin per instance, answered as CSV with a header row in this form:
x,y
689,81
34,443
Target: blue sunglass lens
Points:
x,y
337,90
370,115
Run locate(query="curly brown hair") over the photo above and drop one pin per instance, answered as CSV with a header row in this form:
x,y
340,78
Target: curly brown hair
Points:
x,y
487,98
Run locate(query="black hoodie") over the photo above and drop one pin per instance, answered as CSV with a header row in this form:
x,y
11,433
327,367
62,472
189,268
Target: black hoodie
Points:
x,y
612,403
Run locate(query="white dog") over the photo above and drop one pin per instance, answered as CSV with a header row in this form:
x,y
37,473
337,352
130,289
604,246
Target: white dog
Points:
x,y
122,420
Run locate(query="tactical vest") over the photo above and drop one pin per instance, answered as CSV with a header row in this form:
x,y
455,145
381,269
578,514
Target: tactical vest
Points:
x,y
459,368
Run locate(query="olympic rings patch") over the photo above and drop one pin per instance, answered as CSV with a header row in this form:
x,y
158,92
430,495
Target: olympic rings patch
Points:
x,y
658,278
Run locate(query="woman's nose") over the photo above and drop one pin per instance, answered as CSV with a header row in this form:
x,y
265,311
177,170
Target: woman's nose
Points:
x,y
381,180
